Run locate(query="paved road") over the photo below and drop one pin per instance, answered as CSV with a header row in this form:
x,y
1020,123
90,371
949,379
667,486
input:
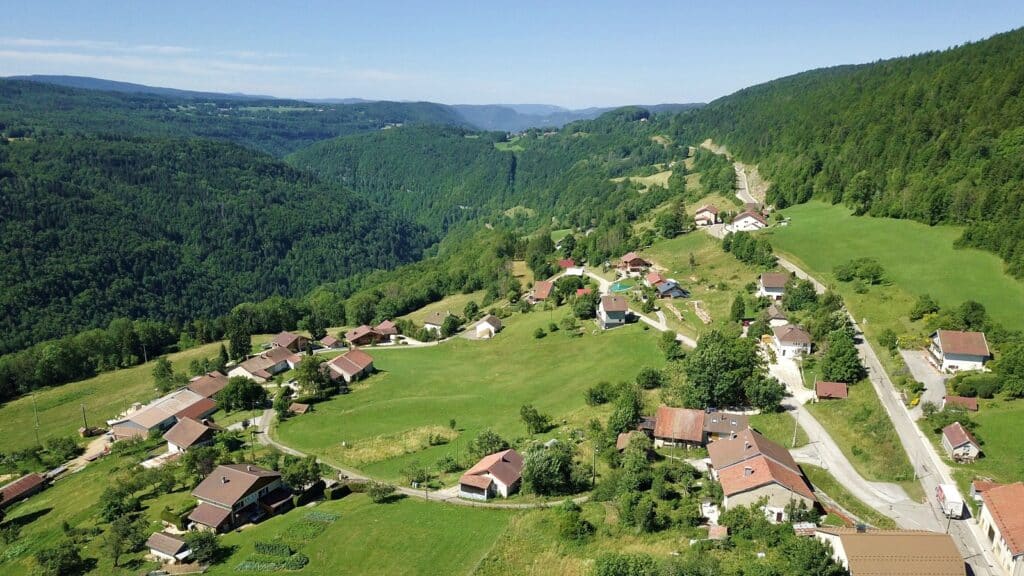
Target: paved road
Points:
x,y
933,380
742,186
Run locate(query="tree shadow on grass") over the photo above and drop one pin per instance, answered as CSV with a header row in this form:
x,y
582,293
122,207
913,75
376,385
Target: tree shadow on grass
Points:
x,y
22,521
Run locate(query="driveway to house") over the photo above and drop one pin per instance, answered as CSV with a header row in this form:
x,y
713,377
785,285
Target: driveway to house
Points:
x,y
660,324
787,371
923,371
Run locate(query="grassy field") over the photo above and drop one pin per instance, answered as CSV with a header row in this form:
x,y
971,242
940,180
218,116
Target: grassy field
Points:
x,y
454,304
406,537
104,396
658,179
823,481
478,384
998,427
778,427
557,235
864,433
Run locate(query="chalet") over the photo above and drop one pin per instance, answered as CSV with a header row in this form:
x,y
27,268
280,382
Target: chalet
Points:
x,y
290,341
776,317
954,351
718,425
678,427
652,279
266,365
830,391
751,468
959,443
748,221
497,474
235,494
706,215
488,326
1002,522
388,329
870,552
331,342
969,404
566,263
541,291
162,413
435,320
671,289
632,263
21,488
350,366
168,548
363,336
791,341
208,384
298,408
186,434
772,284
612,311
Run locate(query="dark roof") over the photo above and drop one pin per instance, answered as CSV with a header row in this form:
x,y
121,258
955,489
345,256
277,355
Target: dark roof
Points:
x,y
21,488
229,483
209,515
725,422
957,435
286,339
775,279
493,320
199,410
746,445
962,401
614,304
679,424
188,432
208,384
830,390
166,543
964,343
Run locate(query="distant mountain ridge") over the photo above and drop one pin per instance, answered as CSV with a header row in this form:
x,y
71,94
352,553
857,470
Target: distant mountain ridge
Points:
x,y
90,83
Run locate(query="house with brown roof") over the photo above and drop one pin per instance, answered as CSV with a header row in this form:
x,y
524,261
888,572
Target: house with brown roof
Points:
x,y
488,326
162,413
748,221
329,341
434,321
298,408
350,366
652,279
631,264
830,391
186,434
706,215
290,341
541,291
168,548
678,427
772,284
791,341
566,263
236,494
969,404
387,328
1002,522
267,364
956,351
775,316
718,425
208,384
959,443
612,311
869,552
21,488
497,474
364,336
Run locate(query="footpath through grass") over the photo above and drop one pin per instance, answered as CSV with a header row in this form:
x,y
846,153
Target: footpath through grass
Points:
x,y
479,384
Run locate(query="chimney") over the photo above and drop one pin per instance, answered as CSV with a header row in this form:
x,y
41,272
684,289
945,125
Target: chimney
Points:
x,y
748,471
249,468
746,444
861,528
223,479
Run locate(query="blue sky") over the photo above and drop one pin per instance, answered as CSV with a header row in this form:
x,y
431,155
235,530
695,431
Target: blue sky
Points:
x,y
574,54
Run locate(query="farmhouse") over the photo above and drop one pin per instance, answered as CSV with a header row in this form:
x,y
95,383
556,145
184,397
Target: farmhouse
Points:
x,y
566,263
611,312
163,413
791,341
541,291
954,351
496,474
678,427
670,289
350,366
364,336
290,341
706,215
330,342
652,279
298,408
186,434
488,326
435,320
632,263
959,443
168,548
830,391
718,425
265,365
776,317
234,494
21,488
1002,522
208,384
772,284
387,328
865,552
748,221
969,404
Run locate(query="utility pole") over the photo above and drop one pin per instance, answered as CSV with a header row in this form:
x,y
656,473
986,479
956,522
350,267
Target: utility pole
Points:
x,y
796,422
84,421
36,414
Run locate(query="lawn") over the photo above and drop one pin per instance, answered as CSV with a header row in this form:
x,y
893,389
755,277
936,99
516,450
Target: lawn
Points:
x,y
863,431
778,427
406,537
998,427
104,396
658,179
479,384
454,304
823,481
557,235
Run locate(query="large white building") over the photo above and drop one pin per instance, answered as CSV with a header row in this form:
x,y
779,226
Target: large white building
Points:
x,y
956,351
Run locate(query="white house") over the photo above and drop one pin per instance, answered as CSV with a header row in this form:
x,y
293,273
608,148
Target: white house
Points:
x,y
1002,522
706,215
488,326
265,365
748,221
612,311
186,434
869,552
954,351
434,321
791,341
772,284
167,548
496,474
959,443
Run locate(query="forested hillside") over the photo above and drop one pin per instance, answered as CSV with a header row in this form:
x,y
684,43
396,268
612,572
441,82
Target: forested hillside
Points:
x,y
97,228
274,126
937,137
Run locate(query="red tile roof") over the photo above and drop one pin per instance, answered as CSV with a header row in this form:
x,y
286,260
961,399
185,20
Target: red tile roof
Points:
x,y
208,384
679,424
748,213
962,401
1006,505
386,328
830,390
965,343
635,259
351,363
761,471
707,208
583,291
566,263
746,445
654,278
481,482
542,289
286,339
506,466
360,332
614,304
199,410
329,341
957,435
20,488
775,279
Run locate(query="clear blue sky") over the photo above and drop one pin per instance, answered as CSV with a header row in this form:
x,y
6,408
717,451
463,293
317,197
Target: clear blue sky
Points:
x,y
571,53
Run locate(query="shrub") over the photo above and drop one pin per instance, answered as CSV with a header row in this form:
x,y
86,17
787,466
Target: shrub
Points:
x,y
272,548
601,393
296,561
447,464
380,492
539,333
